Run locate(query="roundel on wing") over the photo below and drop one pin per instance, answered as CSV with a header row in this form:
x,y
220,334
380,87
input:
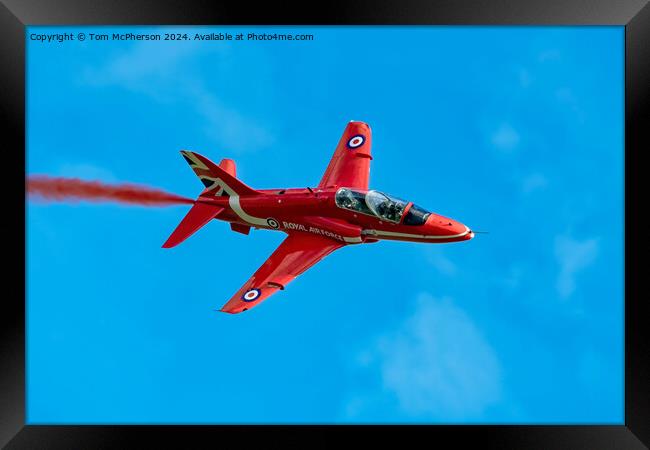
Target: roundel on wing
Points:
x,y
251,294
356,141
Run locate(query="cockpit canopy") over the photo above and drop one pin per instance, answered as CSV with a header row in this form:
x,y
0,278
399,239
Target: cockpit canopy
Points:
x,y
383,206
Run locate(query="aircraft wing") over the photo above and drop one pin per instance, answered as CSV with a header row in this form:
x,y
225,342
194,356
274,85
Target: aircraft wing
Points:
x,y
350,164
297,253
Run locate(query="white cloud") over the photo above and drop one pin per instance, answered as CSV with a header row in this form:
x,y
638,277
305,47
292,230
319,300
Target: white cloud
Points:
x,y
437,365
147,68
505,138
354,407
525,78
567,97
170,74
512,278
573,256
549,55
86,171
227,126
441,262
534,182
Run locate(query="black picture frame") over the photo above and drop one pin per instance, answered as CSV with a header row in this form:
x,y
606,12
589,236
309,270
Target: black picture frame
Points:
x,y
15,15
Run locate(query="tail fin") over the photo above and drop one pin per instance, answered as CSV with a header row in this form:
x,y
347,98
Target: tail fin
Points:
x,y
229,166
217,180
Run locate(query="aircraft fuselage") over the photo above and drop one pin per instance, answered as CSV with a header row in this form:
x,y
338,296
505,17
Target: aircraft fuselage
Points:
x,y
316,211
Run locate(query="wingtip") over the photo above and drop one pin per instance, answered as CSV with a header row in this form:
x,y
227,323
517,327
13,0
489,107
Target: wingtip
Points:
x,y
360,122
169,243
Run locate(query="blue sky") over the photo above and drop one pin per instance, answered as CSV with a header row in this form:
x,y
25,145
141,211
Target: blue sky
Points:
x,y
514,130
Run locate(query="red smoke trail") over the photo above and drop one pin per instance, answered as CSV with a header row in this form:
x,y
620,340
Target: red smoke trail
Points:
x,y
51,189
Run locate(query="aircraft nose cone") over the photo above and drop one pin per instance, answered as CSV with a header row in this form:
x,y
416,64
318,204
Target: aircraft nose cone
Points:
x,y
455,228
464,233
445,226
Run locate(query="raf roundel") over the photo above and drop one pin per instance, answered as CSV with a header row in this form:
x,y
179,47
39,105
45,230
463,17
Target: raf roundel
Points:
x,y
251,295
356,141
273,223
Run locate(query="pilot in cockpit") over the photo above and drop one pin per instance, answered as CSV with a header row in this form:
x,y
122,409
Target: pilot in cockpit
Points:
x,y
346,200
373,203
390,211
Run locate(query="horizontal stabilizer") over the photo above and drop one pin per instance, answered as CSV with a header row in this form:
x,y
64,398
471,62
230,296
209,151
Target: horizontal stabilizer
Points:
x,y
199,215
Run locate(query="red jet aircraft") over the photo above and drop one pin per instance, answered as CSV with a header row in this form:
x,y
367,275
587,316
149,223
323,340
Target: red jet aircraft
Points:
x,y
340,211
